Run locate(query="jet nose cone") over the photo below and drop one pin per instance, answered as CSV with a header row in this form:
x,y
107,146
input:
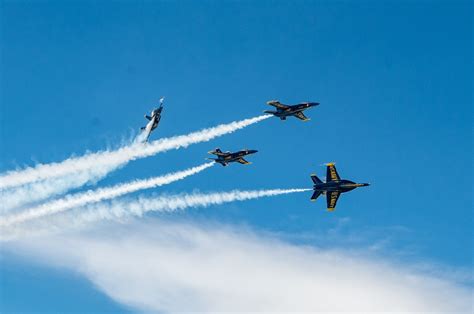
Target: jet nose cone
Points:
x,y
365,184
252,151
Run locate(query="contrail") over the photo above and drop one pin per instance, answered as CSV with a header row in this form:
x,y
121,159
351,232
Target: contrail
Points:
x,y
142,205
94,196
27,194
116,209
97,165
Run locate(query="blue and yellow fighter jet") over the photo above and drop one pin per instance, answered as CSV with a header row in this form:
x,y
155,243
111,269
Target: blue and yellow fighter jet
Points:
x,y
283,111
154,120
224,158
333,187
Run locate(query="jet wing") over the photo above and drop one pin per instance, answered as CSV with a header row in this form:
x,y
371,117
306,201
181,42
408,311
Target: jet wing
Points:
x,y
331,173
301,116
277,104
243,161
331,199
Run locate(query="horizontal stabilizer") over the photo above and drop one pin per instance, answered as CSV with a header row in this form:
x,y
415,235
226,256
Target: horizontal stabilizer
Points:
x,y
315,179
315,195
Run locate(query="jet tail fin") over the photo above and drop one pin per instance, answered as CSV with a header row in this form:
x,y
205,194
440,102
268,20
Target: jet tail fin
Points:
x,y
217,152
315,179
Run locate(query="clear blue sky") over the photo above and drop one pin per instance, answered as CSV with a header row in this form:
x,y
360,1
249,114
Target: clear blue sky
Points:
x,y
394,80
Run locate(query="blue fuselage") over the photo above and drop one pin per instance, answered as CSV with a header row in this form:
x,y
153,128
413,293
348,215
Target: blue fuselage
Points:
x,y
234,156
339,186
155,118
291,110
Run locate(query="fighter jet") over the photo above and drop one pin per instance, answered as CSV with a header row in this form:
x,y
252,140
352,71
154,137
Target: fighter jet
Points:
x,y
224,158
333,187
283,111
154,120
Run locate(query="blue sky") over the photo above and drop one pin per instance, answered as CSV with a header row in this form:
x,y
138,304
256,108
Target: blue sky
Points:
x,y
394,80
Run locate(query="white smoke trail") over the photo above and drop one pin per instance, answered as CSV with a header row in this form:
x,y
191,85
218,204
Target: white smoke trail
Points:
x,y
142,205
94,196
83,216
19,197
96,165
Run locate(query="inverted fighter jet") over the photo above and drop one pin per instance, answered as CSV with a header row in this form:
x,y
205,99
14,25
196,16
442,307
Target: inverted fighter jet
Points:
x,y
224,158
333,187
154,120
283,111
